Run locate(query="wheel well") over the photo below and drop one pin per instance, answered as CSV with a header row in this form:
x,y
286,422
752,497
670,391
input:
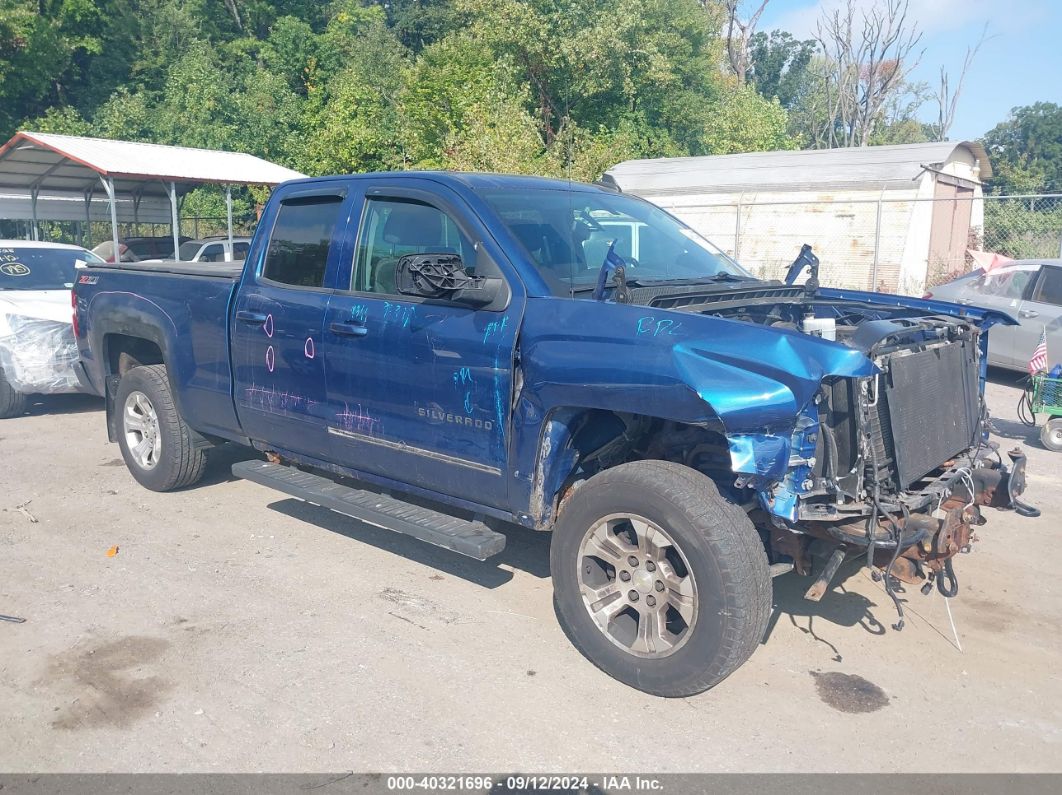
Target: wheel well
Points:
x,y
125,352
578,443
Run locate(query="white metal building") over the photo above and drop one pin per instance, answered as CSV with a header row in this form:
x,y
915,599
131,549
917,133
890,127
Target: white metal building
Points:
x,y
879,217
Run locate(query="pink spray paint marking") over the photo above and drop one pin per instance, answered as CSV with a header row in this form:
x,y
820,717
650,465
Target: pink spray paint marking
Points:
x,y
308,348
267,327
270,358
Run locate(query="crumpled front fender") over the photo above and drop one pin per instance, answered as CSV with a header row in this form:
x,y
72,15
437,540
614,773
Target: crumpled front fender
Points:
x,y
758,384
764,381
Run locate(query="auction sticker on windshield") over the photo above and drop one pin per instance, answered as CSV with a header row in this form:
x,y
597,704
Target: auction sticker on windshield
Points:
x,y
14,269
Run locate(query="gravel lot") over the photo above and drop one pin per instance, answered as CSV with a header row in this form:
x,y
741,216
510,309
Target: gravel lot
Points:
x,y
239,630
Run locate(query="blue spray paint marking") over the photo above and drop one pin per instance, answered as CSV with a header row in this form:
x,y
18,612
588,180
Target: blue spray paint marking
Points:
x,y
463,378
495,327
650,325
359,313
399,313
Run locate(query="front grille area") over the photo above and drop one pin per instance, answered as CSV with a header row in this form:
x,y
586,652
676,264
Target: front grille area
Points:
x,y
928,410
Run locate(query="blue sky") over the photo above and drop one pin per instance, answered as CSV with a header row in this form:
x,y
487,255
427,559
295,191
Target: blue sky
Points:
x,y
1019,64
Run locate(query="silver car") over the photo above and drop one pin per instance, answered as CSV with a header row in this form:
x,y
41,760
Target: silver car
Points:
x,y
1030,291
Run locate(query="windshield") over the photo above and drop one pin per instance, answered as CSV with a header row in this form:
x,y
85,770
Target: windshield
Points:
x,y
568,234
26,268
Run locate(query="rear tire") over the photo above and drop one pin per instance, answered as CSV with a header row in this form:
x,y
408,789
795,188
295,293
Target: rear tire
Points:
x,y
12,402
661,523
1051,435
156,443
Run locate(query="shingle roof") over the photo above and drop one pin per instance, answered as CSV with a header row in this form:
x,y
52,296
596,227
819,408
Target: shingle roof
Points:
x,y
790,170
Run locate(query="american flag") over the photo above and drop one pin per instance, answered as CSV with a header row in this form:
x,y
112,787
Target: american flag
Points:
x,y
1038,362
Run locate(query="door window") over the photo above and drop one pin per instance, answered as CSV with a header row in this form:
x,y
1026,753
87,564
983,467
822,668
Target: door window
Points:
x,y
302,236
394,228
239,250
1049,288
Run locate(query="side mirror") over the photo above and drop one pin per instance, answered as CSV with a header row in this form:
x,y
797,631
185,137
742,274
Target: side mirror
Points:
x,y
443,276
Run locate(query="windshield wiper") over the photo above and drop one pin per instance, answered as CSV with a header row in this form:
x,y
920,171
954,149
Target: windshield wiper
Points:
x,y
683,282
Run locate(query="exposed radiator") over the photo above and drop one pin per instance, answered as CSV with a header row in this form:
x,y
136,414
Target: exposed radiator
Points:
x,y
928,410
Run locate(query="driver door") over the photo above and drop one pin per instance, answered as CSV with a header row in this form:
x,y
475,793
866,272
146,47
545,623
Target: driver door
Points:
x,y
420,390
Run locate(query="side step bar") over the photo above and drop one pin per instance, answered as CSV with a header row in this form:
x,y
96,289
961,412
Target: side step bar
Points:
x,y
473,538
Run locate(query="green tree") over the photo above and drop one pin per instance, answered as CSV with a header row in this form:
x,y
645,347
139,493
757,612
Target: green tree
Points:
x,y
743,121
1026,150
45,46
354,121
779,65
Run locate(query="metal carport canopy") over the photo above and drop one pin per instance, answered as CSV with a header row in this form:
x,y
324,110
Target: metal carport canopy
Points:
x,y
69,166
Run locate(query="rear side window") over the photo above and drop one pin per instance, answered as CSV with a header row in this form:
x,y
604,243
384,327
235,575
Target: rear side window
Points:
x,y
1049,289
302,236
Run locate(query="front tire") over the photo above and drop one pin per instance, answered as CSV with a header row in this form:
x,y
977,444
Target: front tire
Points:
x,y
1051,434
156,443
658,579
12,402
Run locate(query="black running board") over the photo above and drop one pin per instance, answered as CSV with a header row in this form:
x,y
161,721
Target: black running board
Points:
x,y
472,538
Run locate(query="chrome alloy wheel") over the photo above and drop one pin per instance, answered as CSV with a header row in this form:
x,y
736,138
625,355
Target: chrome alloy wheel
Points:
x,y
637,586
140,424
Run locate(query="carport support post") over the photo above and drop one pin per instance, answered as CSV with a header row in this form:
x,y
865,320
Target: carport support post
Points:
x,y
88,218
34,232
228,217
108,185
174,222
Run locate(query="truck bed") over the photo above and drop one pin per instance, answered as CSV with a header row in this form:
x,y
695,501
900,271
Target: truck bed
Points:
x,y
183,307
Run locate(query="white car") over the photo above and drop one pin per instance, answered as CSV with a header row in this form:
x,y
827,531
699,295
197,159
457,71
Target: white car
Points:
x,y
214,249
37,349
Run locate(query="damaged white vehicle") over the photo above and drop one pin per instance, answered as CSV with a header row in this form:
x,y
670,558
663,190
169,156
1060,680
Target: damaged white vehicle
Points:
x,y
37,349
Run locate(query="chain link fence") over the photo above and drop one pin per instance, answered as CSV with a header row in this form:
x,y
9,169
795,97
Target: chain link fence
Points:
x,y
882,244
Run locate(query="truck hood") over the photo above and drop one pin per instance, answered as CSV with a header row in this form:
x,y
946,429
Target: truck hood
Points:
x,y
983,318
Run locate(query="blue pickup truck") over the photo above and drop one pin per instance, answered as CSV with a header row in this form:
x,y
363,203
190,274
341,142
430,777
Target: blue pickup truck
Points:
x,y
481,352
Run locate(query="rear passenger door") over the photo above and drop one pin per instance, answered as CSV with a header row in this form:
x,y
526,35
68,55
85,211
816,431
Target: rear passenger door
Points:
x,y
278,318
1041,311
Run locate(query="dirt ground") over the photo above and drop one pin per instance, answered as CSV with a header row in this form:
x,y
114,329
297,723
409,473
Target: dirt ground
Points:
x,y
239,630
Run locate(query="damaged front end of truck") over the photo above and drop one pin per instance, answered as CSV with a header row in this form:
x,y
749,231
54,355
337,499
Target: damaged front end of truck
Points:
x,y
868,437
878,445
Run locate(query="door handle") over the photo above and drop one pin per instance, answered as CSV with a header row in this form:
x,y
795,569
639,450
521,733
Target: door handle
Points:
x,y
348,329
1028,313
246,316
